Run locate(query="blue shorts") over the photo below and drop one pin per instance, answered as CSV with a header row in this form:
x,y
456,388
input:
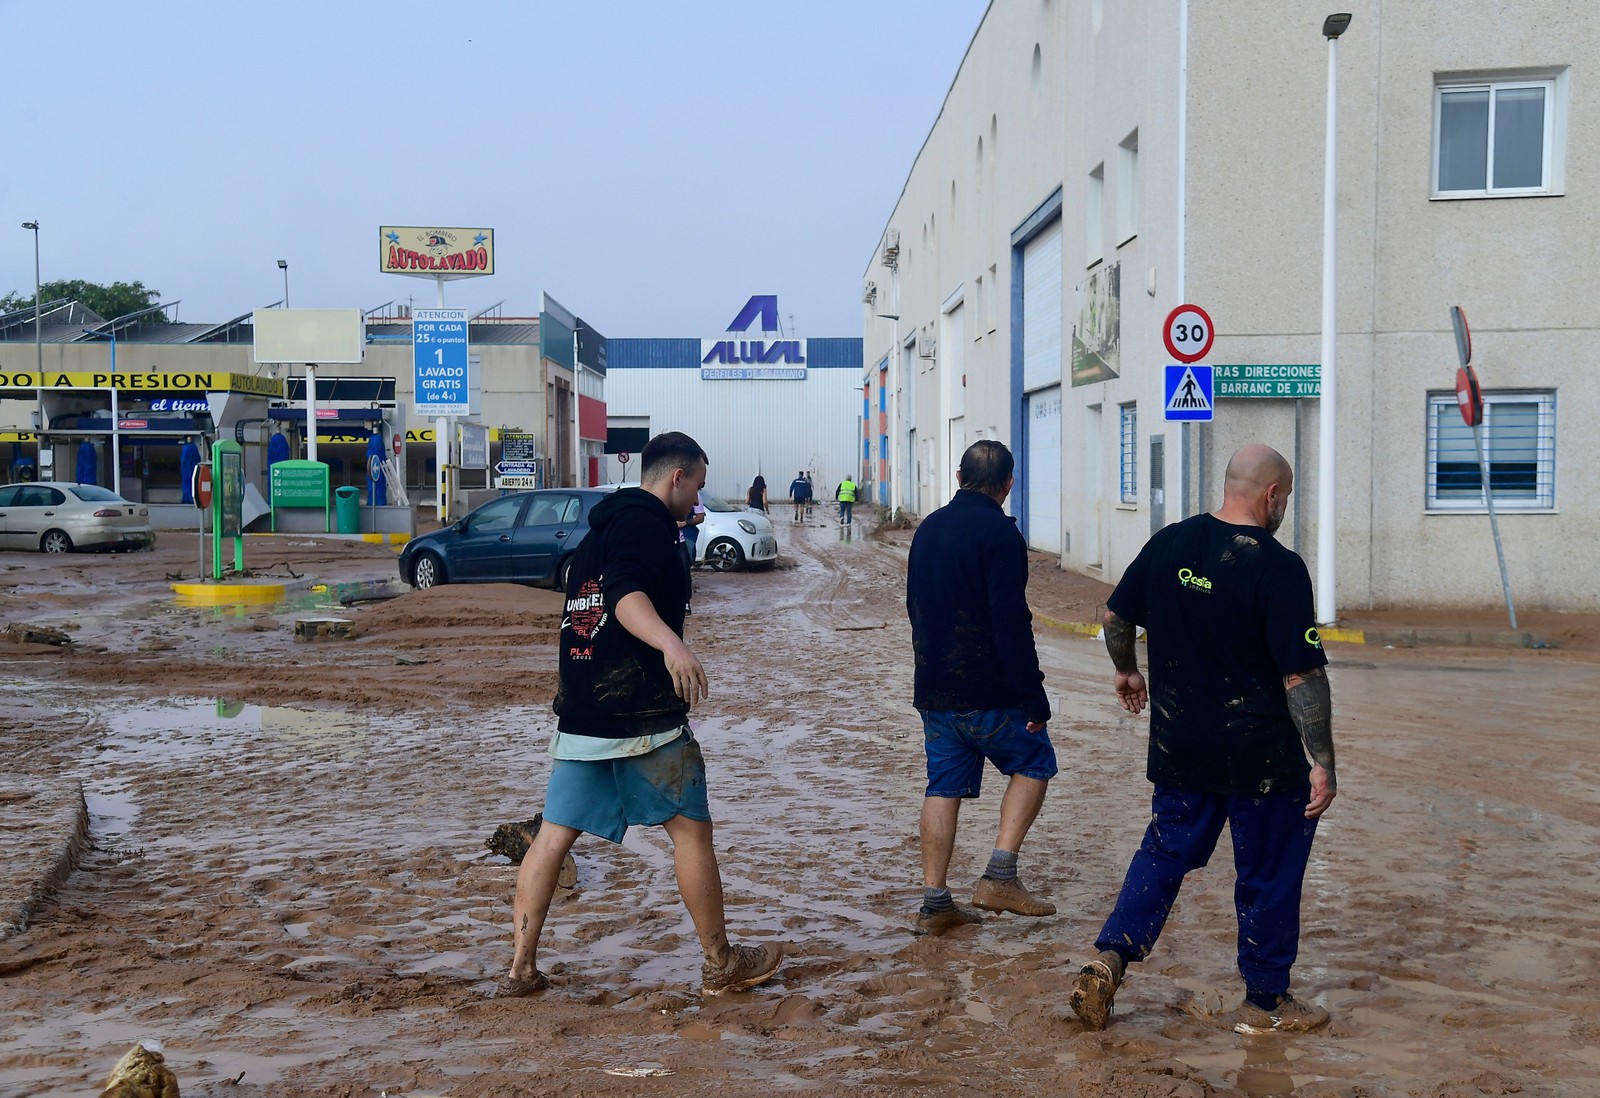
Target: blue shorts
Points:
x,y
604,796
958,742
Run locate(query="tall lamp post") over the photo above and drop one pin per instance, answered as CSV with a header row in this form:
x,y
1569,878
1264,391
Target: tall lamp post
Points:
x,y
116,412
38,349
1327,449
283,265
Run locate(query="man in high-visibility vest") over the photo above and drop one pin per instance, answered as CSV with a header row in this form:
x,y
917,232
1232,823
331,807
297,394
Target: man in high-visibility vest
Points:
x,y
846,495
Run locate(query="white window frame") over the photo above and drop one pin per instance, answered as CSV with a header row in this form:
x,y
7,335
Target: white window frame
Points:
x,y
1128,189
1553,170
1544,496
1128,453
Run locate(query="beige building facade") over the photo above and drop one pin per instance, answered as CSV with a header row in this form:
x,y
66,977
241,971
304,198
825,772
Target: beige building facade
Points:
x,y
1094,165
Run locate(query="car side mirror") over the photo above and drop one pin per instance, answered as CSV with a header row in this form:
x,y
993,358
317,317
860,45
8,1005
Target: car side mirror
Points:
x,y
459,526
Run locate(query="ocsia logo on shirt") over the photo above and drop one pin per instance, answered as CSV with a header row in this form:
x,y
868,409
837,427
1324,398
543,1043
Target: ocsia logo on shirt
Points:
x,y
1188,578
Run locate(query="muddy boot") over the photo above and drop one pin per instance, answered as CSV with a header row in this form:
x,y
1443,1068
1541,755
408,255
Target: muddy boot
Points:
x,y
942,922
746,966
1096,986
996,895
1289,1016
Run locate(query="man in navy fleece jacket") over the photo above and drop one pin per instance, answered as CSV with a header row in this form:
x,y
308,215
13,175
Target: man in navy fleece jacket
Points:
x,y
977,685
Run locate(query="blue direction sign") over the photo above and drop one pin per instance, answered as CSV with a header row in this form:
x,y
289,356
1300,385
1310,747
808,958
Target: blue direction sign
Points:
x,y
1189,393
439,362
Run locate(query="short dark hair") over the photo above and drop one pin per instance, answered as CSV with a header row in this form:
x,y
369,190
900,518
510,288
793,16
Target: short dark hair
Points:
x,y
668,451
986,466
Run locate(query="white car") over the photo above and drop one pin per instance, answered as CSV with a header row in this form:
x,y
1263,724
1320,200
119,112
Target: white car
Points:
x,y
733,536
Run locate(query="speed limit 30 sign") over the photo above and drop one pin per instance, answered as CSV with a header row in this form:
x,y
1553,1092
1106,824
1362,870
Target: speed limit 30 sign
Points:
x,y
1188,333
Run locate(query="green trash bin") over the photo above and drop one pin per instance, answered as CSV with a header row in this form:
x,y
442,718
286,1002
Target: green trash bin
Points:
x,y
347,509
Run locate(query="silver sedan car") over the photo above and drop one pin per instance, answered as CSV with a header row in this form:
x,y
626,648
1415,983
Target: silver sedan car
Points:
x,y
56,517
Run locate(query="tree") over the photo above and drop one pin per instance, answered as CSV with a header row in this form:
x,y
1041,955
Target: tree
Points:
x,y
117,299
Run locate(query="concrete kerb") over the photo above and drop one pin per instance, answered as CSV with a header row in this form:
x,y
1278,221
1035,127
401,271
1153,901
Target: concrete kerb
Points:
x,y
1386,638
45,833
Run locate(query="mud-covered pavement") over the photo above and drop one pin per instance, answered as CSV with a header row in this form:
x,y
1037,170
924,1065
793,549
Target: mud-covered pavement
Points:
x,y
288,885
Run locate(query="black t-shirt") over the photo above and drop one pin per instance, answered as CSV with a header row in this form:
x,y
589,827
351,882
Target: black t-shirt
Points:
x,y
613,684
1228,612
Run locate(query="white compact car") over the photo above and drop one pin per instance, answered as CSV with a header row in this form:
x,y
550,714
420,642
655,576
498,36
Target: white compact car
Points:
x,y
58,517
733,536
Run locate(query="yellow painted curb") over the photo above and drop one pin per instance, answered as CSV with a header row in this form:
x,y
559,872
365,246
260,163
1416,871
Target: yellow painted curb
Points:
x,y
1346,636
385,539
228,594
1083,628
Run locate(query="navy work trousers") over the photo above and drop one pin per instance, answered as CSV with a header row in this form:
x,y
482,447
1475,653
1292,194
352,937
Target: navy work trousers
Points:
x,y
1271,843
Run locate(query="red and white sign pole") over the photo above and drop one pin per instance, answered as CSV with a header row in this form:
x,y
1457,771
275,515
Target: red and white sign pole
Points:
x,y
1470,397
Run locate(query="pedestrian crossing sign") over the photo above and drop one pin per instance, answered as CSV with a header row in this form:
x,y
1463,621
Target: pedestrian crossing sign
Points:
x,y
1189,394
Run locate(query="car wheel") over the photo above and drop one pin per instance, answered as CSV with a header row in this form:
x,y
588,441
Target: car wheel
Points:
x,y
563,573
725,555
427,572
55,541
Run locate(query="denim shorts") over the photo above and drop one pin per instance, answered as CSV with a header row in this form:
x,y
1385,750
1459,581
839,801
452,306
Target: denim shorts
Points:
x,y
604,796
958,742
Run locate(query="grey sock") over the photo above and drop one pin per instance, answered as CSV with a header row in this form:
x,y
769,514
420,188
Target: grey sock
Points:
x,y
936,899
1002,865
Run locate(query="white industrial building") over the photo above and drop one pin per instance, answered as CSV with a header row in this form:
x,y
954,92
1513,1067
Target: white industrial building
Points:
x,y
759,401
1094,165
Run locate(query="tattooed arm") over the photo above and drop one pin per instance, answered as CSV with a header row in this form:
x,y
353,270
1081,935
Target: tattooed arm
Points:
x,y
1311,707
1120,636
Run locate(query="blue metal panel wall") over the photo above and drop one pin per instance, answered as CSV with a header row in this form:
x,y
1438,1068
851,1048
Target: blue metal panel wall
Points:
x,y
834,354
555,340
652,354
684,354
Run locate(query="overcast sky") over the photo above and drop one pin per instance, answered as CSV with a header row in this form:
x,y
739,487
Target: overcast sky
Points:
x,y
649,164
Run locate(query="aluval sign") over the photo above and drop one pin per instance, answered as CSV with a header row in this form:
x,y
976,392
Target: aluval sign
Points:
x,y
754,359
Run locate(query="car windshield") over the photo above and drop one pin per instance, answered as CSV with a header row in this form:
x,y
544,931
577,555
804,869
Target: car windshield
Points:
x,y
717,503
93,493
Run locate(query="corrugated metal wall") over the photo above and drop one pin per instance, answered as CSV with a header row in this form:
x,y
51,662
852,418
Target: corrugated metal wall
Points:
x,y
774,428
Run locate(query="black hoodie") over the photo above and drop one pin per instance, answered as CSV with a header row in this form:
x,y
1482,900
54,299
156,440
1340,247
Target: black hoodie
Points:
x,y
614,685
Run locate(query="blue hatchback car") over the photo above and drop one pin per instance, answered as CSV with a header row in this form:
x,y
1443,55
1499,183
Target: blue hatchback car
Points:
x,y
523,537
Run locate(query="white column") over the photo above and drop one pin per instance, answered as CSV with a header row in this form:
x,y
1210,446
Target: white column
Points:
x,y
1327,450
311,411
441,459
116,435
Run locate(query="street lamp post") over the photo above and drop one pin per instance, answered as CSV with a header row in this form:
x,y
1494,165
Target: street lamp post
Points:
x,y
283,265
38,349
116,412
1327,450
38,329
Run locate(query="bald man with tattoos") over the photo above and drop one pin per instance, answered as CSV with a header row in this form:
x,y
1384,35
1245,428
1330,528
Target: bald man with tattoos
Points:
x,y
1240,734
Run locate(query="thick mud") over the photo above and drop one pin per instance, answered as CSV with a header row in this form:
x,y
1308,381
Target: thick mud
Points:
x,y
289,888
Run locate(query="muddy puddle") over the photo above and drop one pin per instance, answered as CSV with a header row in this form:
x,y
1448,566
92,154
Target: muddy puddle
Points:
x,y
292,883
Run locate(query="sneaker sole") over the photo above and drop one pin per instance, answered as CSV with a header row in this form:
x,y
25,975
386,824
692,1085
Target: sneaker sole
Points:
x,y
742,985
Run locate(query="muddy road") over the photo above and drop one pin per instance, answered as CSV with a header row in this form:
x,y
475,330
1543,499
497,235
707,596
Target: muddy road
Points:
x,y
288,885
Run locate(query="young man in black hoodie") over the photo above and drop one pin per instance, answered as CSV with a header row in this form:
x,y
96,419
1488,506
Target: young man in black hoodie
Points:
x,y
623,750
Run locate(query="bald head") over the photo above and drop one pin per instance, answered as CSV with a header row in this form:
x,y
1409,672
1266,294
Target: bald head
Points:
x,y
1256,487
1253,469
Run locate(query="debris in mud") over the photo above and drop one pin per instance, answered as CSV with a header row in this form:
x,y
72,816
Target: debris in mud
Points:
x,y
640,1072
411,661
141,1073
513,840
17,633
312,629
